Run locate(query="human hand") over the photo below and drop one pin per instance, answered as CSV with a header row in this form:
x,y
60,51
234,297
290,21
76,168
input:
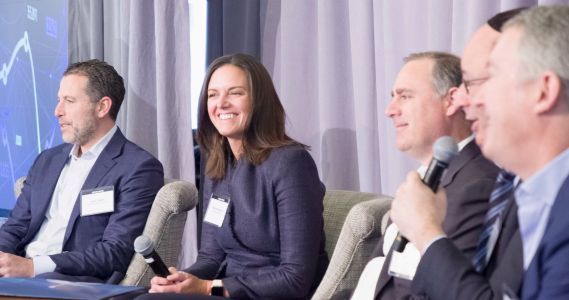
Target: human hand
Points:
x,y
179,282
418,212
15,266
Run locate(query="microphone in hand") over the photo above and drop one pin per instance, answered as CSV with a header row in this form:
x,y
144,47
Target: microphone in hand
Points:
x,y
444,150
143,246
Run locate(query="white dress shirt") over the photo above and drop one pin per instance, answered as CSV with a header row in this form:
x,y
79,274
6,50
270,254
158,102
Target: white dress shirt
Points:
x,y
49,239
408,260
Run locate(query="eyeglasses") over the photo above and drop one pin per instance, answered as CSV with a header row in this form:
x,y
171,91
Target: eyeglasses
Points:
x,y
470,83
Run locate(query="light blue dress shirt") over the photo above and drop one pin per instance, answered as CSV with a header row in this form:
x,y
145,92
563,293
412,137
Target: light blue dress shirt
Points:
x,y
535,197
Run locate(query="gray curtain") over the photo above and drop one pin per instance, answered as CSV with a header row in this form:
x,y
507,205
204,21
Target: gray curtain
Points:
x,y
334,62
148,43
233,27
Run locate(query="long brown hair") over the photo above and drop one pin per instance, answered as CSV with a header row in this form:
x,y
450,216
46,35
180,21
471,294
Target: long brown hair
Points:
x,y
264,129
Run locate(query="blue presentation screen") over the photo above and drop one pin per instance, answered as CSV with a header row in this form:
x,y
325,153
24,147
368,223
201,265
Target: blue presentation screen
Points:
x,y
33,56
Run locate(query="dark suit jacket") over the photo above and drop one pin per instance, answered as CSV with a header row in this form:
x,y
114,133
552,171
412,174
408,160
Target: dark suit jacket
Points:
x,y
468,181
95,245
547,276
271,242
446,273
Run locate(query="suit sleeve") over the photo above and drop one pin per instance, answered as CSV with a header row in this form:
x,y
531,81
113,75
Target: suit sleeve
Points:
x,y
133,200
299,195
450,258
18,224
455,276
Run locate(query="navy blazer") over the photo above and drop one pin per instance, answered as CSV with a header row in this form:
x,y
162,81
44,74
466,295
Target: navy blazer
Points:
x,y
547,276
95,245
271,242
468,181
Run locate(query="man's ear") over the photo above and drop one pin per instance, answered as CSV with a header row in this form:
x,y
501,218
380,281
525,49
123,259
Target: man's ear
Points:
x,y
104,106
450,102
546,91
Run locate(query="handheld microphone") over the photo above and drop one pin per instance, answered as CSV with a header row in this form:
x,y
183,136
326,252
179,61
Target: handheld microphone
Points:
x,y
444,150
143,246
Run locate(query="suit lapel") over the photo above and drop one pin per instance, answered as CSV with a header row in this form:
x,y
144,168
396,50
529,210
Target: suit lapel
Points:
x,y
468,153
46,188
102,166
553,231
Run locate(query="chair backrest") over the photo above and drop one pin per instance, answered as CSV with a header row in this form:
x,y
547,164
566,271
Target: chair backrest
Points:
x,y
164,227
359,235
337,204
18,185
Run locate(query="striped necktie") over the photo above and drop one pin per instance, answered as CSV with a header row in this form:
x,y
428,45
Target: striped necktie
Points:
x,y
498,201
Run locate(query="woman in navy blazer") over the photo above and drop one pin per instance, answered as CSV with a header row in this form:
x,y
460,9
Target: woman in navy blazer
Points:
x,y
262,236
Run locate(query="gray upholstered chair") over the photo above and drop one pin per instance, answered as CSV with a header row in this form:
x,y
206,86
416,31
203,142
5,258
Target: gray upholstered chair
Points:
x,y
18,185
164,227
352,236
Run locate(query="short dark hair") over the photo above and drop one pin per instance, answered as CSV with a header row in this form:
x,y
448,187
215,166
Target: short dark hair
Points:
x,y
446,69
497,21
265,128
103,81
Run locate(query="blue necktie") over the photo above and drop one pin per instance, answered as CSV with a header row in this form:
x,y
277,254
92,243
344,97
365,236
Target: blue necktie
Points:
x,y
498,201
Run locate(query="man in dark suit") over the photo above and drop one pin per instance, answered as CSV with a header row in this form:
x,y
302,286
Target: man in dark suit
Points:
x,y
526,80
423,109
456,275
84,202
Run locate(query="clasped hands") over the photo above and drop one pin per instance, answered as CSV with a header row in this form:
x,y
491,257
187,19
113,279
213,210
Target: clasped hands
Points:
x,y
180,282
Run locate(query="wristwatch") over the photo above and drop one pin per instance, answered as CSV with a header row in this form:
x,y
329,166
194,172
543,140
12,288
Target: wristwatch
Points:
x,y
217,288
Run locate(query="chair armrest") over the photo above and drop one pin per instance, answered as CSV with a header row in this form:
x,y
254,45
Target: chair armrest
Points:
x,y
164,227
359,236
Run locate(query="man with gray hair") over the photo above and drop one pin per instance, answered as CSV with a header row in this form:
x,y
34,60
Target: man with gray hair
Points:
x,y
529,79
423,109
525,104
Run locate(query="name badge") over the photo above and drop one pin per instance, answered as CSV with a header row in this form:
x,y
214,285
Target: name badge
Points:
x,y
404,265
97,201
216,210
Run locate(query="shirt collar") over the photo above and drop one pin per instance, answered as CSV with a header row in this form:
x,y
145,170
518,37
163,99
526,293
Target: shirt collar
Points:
x,y
97,149
423,169
546,182
465,142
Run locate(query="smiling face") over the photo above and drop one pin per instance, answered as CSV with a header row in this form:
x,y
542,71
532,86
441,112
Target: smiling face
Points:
x,y
474,69
75,112
229,103
418,112
506,97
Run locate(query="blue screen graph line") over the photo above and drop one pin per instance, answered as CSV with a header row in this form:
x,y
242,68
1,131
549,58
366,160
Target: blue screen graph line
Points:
x,y
33,57
24,43
6,144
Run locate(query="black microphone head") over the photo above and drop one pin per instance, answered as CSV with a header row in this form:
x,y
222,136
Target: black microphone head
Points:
x,y
445,149
143,245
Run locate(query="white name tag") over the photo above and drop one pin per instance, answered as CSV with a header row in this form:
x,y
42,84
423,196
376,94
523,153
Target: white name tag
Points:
x,y
97,201
216,210
404,265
